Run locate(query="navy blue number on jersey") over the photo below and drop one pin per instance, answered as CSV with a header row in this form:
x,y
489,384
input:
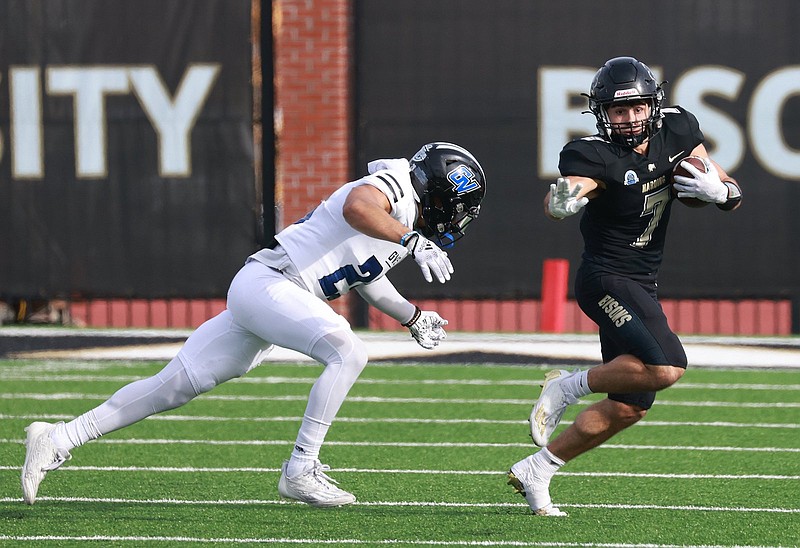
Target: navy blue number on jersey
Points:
x,y
305,217
362,274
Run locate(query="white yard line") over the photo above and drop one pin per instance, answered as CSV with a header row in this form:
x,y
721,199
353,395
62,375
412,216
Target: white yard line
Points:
x,y
352,541
407,420
261,470
686,508
154,441
377,399
22,375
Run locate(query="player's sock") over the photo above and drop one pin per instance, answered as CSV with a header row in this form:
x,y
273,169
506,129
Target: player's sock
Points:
x,y
577,384
546,464
67,436
298,464
307,445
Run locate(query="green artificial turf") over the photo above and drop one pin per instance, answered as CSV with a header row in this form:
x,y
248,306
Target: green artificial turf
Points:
x,y
424,447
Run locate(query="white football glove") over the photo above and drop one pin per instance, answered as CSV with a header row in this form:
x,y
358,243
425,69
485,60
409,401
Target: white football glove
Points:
x,y
703,186
429,257
427,328
563,201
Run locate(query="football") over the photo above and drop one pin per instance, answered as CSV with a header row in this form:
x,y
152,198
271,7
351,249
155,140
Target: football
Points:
x,y
699,163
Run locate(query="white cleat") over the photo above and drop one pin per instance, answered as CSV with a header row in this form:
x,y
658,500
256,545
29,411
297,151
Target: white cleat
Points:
x,y
313,487
551,510
522,477
41,457
550,407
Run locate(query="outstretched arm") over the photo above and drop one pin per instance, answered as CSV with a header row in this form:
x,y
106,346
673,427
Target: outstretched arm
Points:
x,y
567,196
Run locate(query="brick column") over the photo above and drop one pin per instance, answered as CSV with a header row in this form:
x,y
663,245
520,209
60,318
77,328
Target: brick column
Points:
x,y
313,118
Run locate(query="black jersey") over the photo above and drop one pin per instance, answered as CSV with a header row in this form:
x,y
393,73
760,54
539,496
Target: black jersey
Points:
x,y
624,226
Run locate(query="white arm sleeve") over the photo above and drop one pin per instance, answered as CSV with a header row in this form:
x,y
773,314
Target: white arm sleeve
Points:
x,y
383,295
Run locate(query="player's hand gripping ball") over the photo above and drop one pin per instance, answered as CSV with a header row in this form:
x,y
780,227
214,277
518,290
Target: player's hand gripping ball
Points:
x,y
699,163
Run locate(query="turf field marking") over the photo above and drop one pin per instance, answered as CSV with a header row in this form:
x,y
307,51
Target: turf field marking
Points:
x,y
350,542
687,508
376,399
27,376
406,420
65,366
734,386
152,441
246,469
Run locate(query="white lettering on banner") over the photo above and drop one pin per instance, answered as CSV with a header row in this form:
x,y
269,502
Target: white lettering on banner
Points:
x,y
26,123
764,119
560,118
723,133
172,118
88,87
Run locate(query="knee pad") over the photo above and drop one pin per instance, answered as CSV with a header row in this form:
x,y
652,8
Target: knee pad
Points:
x,y
341,349
220,350
202,376
176,389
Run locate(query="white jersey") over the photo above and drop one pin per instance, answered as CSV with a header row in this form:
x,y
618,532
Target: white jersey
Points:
x,y
331,257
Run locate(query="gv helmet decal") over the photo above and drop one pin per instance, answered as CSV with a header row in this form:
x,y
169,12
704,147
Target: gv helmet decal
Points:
x,y
463,180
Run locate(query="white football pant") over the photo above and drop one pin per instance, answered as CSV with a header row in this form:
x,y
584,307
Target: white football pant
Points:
x,y
264,308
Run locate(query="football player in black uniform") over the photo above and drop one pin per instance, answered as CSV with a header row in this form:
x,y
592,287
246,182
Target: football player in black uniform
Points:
x,y
621,176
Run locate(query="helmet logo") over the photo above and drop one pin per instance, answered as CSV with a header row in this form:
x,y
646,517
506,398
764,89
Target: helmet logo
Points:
x,y
463,180
422,153
630,92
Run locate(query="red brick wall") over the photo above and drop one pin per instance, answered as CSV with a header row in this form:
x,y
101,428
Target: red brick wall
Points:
x,y
695,317
312,96
688,317
312,53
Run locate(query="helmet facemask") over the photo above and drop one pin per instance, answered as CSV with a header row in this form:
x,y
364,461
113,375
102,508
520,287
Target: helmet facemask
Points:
x,y
446,220
623,133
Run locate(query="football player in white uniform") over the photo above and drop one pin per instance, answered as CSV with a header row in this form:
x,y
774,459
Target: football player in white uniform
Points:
x,y
350,241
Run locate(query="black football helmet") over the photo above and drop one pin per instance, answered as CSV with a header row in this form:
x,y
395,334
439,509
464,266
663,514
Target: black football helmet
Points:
x,y
450,184
625,79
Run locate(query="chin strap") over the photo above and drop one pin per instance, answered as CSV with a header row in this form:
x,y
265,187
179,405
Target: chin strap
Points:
x,y
446,241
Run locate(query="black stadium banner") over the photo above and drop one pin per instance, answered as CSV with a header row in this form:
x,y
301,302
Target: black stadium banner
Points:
x,y
504,77
126,148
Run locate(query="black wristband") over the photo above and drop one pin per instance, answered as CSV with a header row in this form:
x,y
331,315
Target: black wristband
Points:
x,y
734,196
414,318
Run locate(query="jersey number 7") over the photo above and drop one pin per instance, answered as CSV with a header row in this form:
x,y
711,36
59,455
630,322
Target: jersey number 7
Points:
x,y
654,205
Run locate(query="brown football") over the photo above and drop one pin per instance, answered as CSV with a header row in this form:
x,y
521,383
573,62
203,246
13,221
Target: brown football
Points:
x,y
699,163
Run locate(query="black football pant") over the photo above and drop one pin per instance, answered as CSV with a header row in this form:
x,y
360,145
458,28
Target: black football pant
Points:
x,y
631,321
